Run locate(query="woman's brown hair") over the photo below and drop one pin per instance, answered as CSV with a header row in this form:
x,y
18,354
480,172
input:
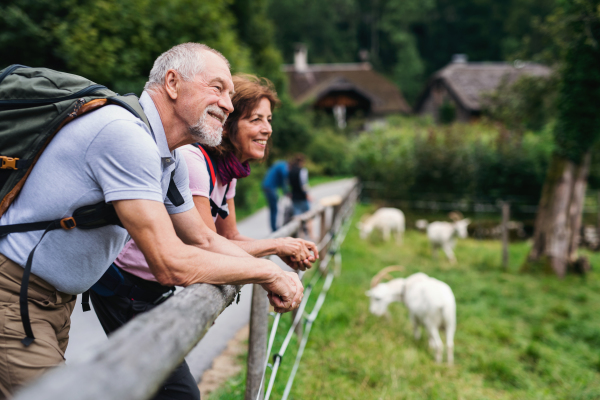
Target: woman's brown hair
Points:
x,y
249,91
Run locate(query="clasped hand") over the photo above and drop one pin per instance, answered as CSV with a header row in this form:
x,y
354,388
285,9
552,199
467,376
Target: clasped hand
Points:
x,y
297,253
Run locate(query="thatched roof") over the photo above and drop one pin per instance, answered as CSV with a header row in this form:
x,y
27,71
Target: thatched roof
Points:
x,y
468,81
319,79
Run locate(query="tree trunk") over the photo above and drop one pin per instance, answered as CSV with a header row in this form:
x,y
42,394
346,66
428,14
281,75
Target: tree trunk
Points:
x,y
558,219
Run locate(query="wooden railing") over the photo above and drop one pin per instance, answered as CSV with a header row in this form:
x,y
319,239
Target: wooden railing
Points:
x,y
137,358
329,225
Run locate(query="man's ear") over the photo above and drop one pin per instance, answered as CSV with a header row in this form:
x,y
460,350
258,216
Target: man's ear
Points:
x,y
172,84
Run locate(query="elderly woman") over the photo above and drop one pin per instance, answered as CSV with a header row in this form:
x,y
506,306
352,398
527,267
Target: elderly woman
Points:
x,y
214,171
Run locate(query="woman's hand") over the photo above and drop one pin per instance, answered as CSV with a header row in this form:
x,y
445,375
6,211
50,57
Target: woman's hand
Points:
x,y
297,253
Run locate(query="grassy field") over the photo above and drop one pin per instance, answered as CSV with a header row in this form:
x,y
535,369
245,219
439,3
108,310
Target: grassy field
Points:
x,y
519,336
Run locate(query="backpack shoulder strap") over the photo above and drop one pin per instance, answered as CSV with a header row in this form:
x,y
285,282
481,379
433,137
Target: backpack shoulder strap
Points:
x,y
223,210
173,192
209,167
225,195
131,103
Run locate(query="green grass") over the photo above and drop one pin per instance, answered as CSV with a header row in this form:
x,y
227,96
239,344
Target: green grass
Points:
x,y
519,336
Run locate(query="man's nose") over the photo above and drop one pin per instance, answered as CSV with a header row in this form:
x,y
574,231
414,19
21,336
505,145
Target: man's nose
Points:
x,y
225,103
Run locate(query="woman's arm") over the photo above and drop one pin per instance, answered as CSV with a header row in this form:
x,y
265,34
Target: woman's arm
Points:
x,y
294,252
228,227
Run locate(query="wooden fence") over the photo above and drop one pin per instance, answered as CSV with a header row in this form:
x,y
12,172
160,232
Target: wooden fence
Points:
x,y
137,358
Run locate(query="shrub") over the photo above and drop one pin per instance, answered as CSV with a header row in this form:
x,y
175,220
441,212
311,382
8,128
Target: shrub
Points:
x,y
330,152
412,161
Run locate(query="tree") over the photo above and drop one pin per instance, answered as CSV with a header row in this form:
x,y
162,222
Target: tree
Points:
x,y
113,42
527,104
558,221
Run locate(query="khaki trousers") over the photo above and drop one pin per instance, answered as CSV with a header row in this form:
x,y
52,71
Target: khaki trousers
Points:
x,y
49,312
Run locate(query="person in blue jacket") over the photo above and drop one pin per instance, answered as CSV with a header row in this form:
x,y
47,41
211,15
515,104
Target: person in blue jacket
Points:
x,y
276,177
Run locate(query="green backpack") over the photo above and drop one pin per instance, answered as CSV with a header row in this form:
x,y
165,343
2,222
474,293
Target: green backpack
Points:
x,y
35,103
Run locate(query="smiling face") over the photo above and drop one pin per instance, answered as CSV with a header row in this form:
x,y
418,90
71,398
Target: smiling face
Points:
x,y
205,102
253,132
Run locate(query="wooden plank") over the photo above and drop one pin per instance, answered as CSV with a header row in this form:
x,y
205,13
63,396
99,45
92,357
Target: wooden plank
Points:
x,y
257,342
137,358
289,229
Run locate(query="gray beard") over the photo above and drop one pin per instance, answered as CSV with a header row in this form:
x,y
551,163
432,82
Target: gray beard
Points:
x,y
204,133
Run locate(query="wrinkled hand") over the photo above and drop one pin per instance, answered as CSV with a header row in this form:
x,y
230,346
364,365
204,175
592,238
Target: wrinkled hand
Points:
x,y
285,292
297,253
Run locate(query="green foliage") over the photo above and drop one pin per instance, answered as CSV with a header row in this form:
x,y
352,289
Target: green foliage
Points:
x,y
447,112
452,162
578,124
26,32
485,30
409,39
328,28
527,104
330,151
256,31
518,336
115,43
291,129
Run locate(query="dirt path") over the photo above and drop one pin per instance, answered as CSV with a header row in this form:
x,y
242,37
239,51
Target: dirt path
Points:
x,y
226,365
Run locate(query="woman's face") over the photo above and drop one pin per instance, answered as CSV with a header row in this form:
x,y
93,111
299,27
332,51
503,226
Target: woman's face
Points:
x,y
253,133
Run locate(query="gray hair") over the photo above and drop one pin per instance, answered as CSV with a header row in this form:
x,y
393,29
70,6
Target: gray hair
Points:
x,y
188,59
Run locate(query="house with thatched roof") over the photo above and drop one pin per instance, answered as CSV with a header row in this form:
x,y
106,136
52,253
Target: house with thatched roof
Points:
x,y
458,90
346,90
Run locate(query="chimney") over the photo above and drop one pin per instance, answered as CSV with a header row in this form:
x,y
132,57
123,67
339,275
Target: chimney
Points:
x,y
300,56
459,59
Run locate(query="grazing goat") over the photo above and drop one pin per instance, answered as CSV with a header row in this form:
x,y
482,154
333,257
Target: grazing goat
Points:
x,y
430,304
386,219
444,234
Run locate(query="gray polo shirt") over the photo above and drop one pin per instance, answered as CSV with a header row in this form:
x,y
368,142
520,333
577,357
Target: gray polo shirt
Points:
x,y
106,155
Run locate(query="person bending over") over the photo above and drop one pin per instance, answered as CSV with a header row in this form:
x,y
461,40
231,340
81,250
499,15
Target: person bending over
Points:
x,y
140,290
115,158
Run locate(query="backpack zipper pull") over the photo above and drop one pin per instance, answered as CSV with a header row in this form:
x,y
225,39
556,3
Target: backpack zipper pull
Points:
x,y
80,102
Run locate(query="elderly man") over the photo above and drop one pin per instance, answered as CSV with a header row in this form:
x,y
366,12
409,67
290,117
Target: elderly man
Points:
x,y
114,157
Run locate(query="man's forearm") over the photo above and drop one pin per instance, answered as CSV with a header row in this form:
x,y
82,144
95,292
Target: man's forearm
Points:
x,y
218,269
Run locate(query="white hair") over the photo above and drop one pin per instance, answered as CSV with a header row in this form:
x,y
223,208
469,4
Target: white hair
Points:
x,y
188,59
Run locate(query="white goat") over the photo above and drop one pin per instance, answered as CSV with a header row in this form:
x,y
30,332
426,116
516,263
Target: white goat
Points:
x,y
430,304
444,234
386,219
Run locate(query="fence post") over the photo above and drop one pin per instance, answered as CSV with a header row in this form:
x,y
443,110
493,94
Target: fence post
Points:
x,y
505,218
257,342
323,230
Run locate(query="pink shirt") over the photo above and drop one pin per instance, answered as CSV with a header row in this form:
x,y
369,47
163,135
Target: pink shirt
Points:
x,y
200,178
131,258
